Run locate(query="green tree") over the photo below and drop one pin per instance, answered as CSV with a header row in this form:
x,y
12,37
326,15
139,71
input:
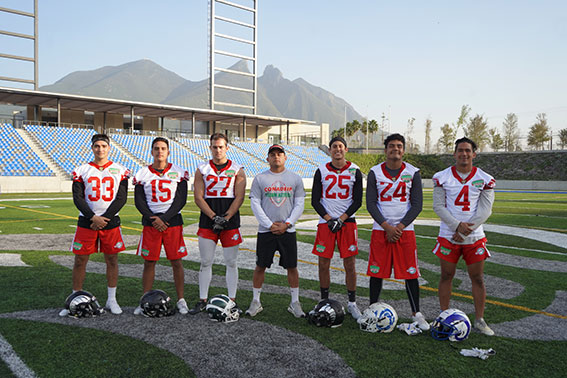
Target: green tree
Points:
x,y
496,141
563,138
477,130
462,120
338,132
369,127
352,127
511,133
539,132
411,146
427,146
448,136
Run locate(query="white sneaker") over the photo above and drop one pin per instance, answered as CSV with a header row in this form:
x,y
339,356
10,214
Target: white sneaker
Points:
x,y
255,308
138,311
296,310
481,326
421,322
113,306
352,308
182,306
64,312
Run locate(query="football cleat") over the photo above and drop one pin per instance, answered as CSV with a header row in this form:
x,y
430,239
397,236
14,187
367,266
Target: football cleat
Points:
x,y
199,307
296,310
352,308
182,306
481,326
421,322
114,307
254,309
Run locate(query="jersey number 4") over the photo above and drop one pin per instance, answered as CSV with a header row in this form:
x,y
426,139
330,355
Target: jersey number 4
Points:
x,y
164,192
400,192
344,193
214,181
463,199
101,189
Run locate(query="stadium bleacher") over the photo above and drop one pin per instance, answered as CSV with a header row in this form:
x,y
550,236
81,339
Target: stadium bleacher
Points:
x,y
16,156
72,147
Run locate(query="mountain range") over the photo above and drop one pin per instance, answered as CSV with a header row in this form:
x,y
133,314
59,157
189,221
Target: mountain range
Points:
x,y
146,81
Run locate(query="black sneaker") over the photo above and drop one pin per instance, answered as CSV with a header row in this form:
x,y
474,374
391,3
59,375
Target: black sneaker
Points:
x,y
199,306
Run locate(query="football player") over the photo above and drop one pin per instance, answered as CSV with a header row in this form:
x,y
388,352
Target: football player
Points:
x,y
462,197
100,190
160,193
219,189
394,198
277,200
336,195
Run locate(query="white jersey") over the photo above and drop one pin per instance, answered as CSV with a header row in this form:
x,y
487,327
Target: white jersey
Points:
x,y
461,196
101,184
219,184
337,188
160,188
393,193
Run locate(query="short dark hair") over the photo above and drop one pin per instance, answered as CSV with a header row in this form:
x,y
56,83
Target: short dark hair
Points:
x,y
395,136
160,139
465,140
217,136
98,137
337,139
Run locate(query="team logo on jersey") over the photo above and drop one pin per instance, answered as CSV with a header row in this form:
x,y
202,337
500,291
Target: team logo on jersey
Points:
x,y
406,178
230,173
113,171
181,250
77,246
374,269
445,251
352,248
278,192
235,237
118,245
352,171
479,251
320,248
145,252
172,175
411,270
478,184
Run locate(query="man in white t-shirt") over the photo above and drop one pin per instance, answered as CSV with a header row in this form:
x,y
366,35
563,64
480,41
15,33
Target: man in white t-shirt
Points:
x,y
462,197
277,200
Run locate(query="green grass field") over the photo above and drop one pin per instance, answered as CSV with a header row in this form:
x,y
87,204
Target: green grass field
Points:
x,y
52,350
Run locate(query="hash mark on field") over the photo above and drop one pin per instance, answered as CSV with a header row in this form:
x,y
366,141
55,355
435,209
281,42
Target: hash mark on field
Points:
x,y
37,228
73,225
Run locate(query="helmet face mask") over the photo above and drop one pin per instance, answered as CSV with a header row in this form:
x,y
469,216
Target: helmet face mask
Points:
x,y
222,309
327,313
156,304
379,317
82,304
451,324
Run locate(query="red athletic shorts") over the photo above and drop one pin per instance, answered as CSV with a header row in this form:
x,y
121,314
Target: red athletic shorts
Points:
x,y
87,241
228,238
472,253
402,256
346,239
151,241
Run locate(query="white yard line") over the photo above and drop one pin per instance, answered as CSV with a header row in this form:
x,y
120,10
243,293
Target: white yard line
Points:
x,y
13,361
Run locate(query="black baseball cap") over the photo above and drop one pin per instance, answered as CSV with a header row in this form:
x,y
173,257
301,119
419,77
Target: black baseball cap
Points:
x,y
337,139
276,147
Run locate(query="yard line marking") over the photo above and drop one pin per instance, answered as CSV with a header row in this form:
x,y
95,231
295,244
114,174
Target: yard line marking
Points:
x,y
13,361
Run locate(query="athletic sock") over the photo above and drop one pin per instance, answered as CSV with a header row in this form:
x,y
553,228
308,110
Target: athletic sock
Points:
x,y
256,294
375,289
412,289
111,293
294,294
324,293
351,295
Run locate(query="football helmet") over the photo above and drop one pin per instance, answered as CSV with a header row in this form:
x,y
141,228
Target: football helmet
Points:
x,y
82,304
327,313
222,309
379,317
451,324
156,304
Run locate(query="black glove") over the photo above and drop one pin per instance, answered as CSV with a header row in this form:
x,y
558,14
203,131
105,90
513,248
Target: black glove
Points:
x,y
219,224
335,224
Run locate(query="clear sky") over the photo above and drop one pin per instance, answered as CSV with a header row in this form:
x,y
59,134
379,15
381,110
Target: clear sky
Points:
x,y
405,59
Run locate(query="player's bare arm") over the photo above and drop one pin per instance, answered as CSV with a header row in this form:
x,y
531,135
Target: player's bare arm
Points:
x,y
199,195
239,192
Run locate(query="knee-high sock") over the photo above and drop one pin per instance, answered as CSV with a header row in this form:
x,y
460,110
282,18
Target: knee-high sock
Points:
x,y
375,289
230,256
412,288
207,251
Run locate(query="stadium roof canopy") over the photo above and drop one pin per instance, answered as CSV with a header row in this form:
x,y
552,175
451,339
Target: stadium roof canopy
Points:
x,y
26,97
